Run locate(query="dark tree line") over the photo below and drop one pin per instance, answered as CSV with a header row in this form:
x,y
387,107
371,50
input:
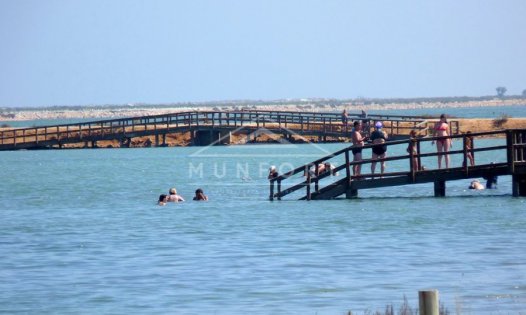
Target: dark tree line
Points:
x,y
501,91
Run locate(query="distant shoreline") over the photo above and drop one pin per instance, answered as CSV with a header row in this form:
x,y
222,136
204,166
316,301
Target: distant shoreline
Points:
x,y
7,114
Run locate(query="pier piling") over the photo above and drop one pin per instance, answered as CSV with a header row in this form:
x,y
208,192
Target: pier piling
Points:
x,y
428,302
440,188
519,185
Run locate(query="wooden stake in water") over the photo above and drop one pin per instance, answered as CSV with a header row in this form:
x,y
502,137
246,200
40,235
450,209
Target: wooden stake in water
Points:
x,y
428,302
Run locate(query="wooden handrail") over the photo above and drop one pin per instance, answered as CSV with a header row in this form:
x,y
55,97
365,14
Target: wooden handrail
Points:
x,y
308,121
317,116
348,164
322,122
388,143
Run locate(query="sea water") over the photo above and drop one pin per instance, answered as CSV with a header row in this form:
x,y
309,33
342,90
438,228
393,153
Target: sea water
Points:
x,y
81,233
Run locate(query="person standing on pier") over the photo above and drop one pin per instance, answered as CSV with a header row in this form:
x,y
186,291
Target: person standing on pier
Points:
x,y
469,148
379,137
345,120
411,148
444,143
358,141
272,172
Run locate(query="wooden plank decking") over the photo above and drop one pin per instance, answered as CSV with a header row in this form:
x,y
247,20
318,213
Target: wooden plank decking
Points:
x,y
514,153
321,125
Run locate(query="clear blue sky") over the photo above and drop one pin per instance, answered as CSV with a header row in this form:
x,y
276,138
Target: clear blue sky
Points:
x,y
82,52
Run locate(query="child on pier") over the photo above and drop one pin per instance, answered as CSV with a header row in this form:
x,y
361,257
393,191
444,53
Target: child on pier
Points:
x,y
411,148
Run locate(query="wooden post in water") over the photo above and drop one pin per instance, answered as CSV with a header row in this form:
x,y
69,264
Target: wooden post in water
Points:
x,y
418,154
308,181
411,160
351,193
428,302
316,177
465,155
279,189
440,188
519,185
518,152
271,197
347,166
509,151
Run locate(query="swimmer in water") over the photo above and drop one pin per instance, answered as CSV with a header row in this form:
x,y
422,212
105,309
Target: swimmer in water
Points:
x,y
200,195
174,197
476,185
162,200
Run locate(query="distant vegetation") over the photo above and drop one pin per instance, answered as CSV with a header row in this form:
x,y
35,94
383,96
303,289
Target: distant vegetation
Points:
x,y
313,102
501,90
500,121
405,309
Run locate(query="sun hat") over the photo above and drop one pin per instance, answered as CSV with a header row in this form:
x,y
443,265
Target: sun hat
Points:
x,y
378,124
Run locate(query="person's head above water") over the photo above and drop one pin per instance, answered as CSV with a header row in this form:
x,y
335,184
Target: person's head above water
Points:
x,y
200,195
173,191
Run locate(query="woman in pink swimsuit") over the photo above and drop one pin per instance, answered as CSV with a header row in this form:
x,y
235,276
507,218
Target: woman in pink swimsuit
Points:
x,y
441,130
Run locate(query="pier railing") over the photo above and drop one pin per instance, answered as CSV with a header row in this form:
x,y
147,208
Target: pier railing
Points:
x,y
300,122
513,152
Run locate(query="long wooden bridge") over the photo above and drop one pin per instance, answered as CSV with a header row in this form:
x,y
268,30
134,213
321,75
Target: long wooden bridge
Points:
x,y
512,154
206,128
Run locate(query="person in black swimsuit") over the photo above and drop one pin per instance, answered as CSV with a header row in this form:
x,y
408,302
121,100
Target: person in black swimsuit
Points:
x,y
378,137
358,142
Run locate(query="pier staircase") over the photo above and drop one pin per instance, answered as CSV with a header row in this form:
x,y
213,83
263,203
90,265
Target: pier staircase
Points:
x,y
512,153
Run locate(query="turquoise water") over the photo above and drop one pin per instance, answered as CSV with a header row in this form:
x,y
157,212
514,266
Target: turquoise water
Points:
x,y
48,122
462,112
80,233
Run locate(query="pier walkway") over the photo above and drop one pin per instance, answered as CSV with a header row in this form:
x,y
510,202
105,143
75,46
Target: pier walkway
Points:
x,y
207,128
510,156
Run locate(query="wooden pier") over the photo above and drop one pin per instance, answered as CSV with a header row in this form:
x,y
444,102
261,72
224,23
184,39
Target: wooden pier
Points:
x,y
207,128
513,152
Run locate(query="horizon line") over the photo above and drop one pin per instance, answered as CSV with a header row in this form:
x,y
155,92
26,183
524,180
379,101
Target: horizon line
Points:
x,y
246,102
